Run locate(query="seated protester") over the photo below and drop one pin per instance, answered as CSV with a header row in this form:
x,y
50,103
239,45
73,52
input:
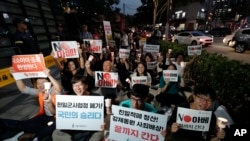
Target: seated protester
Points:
x,y
106,92
180,58
70,68
38,125
80,86
169,95
149,58
141,70
123,71
137,99
202,100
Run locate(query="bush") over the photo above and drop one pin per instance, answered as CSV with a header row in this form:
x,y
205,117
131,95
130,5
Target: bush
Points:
x,y
230,79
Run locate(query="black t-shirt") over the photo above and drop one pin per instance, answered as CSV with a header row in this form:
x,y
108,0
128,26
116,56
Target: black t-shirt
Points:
x,y
189,135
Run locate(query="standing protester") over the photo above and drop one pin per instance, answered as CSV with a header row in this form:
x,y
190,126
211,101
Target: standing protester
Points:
x,y
60,36
23,39
124,40
85,34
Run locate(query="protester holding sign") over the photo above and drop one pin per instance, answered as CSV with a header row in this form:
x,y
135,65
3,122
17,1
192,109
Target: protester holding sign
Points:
x,y
141,71
149,59
180,58
70,68
202,100
38,125
170,90
80,86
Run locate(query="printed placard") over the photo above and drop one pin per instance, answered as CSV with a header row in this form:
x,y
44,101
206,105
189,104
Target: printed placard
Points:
x,y
107,30
28,66
139,80
171,75
197,49
106,79
124,53
128,124
153,49
79,112
93,46
151,65
65,49
196,120
167,61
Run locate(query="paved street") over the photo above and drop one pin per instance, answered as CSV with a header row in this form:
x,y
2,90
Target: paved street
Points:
x,y
220,48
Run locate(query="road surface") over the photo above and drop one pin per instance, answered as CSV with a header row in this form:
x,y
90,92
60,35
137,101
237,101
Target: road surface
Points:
x,y
218,47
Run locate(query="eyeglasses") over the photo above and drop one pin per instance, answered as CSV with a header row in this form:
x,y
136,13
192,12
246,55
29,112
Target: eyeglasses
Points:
x,y
202,99
135,100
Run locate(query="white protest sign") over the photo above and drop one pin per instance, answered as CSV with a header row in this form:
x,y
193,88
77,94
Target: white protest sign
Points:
x,y
138,80
79,112
153,49
142,43
168,62
106,79
197,49
196,120
65,49
107,30
28,66
93,46
171,75
151,65
128,124
124,53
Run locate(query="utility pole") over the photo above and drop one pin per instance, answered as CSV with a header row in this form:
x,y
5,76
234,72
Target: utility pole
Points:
x,y
169,7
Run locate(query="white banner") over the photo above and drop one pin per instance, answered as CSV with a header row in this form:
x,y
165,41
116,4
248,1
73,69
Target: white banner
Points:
x,y
151,65
171,75
124,53
128,124
197,49
93,46
28,66
167,61
153,49
196,120
139,80
65,49
106,79
79,112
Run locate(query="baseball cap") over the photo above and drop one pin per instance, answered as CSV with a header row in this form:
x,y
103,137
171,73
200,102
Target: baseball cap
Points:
x,y
16,21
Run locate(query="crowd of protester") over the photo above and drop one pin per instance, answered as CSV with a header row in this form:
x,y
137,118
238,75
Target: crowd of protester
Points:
x,y
78,78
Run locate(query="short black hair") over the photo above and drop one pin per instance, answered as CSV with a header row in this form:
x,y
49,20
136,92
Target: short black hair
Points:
x,y
205,90
140,90
79,78
16,21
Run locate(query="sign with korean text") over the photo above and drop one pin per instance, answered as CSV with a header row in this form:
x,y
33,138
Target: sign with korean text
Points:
x,y
79,112
65,49
107,30
196,120
128,124
93,46
153,49
151,65
171,75
139,80
124,53
106,79
168,61
197,49
28,66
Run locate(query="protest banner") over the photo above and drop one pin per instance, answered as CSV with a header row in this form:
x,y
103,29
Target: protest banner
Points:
x,y
65,49
196,120
93,46
168,62
197,49
107,30
106,79
124,53
171,75
153,49
136,125
79,112
139,80
28,66
151,65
